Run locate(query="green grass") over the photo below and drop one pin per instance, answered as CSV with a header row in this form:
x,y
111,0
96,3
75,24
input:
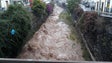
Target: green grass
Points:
x,y
74,35
68,20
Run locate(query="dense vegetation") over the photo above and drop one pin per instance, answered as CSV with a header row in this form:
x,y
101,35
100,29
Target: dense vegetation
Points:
x,y
98,38
72,4
76,13
39,8
94,29
49,8
40,11
15,23
14,27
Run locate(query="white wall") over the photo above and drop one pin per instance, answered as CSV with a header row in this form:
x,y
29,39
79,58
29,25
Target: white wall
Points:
x,y
110,5
46,1
3,4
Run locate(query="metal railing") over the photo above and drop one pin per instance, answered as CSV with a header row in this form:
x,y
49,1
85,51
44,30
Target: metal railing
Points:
x,y
3,60
103,14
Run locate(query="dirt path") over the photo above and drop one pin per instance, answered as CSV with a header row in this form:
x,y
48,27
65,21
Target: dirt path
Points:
x,y
51,42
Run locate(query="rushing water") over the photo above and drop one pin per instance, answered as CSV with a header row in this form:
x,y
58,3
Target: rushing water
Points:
x,y
51,42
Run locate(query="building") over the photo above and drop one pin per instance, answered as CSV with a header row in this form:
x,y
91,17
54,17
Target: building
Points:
x,y
5,3
105,6
23,2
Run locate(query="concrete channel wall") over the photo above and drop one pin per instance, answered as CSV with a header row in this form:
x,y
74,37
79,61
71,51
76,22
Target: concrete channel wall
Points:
x,y
82,37
86,45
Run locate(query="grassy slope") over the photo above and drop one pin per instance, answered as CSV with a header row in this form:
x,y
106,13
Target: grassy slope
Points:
x,y
74,34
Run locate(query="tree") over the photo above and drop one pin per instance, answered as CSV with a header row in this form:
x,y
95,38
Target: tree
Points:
x,y
72,4
17,19
39,8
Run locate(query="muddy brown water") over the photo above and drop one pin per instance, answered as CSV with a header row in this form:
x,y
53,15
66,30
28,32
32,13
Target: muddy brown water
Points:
x,y
51,42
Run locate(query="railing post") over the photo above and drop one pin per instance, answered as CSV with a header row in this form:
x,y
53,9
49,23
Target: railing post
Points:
x,y
99,9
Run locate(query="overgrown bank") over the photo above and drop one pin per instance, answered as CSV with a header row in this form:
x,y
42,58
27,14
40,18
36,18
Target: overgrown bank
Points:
x,y
96,31
14,27
40,11
74,35
96,35
17,26
74,13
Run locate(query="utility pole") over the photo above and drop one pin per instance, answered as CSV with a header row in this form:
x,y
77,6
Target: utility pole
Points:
x,y
99,7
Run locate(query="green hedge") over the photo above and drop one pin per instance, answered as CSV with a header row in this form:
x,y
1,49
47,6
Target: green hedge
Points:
x,y
39,8
72,4
17,18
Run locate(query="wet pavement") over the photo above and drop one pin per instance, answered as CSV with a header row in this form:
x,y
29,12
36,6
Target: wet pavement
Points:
x,y
51,42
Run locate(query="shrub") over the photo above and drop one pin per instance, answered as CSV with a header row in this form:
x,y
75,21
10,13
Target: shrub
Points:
x,y
87,23
78,12
17,19
99,41
72,4
49,8
39,8
87,26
